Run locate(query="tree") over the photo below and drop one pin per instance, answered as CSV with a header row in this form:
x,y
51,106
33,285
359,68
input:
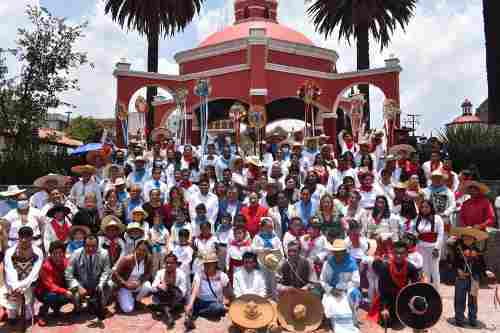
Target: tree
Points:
x,y
85,129
46,54
492,35
357,19
153,18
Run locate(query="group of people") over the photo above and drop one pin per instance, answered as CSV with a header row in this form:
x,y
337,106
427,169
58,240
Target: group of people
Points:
x,y
196,228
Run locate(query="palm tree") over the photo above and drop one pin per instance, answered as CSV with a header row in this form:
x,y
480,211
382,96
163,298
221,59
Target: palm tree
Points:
x,y
492,35
153,18
359,18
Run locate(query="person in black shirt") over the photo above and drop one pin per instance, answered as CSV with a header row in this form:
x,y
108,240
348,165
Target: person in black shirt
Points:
x,y
393,275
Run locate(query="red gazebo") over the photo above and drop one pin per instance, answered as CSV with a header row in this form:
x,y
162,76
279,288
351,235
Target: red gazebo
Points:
x,y
258,62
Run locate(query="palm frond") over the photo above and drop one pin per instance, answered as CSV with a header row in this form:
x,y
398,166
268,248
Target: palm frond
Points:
x,y
381,17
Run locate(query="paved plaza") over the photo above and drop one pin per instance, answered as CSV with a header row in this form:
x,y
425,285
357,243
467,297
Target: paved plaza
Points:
x,y
143,322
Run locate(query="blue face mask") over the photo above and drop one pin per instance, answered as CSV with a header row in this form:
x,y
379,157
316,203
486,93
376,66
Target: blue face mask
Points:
x,y
12,203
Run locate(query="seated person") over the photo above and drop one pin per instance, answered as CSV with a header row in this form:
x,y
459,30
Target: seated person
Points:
x,y
87,276
249,279
132,274
170,289
207,295
297,271
22,266
51,290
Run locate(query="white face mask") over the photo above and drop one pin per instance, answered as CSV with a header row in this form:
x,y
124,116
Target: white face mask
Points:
x,y
23,204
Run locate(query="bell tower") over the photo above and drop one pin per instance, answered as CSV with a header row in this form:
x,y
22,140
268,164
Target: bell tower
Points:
x,y
255,10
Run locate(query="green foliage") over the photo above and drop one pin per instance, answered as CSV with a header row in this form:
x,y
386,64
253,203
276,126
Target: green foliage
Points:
x,y
46,54
85,129
474,145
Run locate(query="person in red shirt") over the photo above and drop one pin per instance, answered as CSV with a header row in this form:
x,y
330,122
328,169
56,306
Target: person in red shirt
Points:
x,y
477,211
51,290
253,213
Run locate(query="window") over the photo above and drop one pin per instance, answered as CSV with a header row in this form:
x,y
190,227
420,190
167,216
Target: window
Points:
x,y
267,14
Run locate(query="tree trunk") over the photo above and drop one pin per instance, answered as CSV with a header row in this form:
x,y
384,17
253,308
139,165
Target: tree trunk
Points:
x,y
492,36
363,62
153,40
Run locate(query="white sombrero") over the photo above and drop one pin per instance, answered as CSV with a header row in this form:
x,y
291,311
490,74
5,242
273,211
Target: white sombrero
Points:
x,y
12,190
51,177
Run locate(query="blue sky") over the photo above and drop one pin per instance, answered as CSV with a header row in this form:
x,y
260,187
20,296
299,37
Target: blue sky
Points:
x,y
442,52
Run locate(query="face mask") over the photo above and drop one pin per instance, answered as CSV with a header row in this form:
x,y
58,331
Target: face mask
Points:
x,y
23,204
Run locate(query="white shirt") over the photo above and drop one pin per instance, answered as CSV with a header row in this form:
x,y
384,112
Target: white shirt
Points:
x,y
315,249
211,204
426,226
184,255
336,177
218,283
368,198
151,185
39,199
181,281
11,277
34,220
357,252
339,311
245,282
79,190
258,244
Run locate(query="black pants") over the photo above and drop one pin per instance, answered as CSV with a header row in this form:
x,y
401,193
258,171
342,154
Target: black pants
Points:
x,y
96,302
171,298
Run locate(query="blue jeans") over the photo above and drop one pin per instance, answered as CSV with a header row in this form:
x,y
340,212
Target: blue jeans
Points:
x,y
208,309
462,290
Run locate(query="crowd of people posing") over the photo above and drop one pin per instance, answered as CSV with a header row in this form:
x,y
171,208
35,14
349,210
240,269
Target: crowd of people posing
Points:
x,y
196,230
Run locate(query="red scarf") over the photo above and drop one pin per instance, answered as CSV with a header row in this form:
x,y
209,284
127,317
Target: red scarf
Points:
x,y
113,249
400,278
62,231
434,165
354,240
186,184
349,144
240,243
366,188
207,237
411,168
407,225
296,234
312,239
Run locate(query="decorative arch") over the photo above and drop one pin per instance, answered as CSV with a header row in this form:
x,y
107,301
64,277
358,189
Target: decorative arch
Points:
x,y
374,83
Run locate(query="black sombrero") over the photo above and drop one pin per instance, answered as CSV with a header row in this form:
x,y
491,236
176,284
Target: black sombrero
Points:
x,y
419,306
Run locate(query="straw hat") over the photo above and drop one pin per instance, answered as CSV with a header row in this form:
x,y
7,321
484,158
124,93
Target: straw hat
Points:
x,y
140,158
79,227
51,177
119,181
111,221
208,258
338,245
479,235
270,259
80,169
394,150
300,311
483,188
134,226
254,160
401,186
437,173
251,312
12,191
141,210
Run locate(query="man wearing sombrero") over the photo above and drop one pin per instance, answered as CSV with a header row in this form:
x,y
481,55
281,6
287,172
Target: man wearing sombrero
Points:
x,y
85,185
470,267
46,184
9,199
477,211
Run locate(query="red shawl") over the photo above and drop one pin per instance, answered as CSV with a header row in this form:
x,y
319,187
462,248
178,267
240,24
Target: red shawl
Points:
x,y
61,231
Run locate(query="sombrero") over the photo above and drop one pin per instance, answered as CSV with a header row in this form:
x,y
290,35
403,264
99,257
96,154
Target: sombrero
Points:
x,y
157,132
141,210
208,258
479,235
134,226
270,259
58,208
483,188
76,227
254,160
111,221
251,312
80,169
51,177
300,311
338,245
12,190
394,150
437,173
419,306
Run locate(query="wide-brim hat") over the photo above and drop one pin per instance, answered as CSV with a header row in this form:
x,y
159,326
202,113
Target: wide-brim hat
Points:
x,y
251,312
300,311
254,160
77,227
12,190
86,168
141,210
338,245
159,131
477,234
140,158
209,258
119,181
419,317
58,208
51,177
134,226
483,188
112,221
270,259
395,150
437,173
401,186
